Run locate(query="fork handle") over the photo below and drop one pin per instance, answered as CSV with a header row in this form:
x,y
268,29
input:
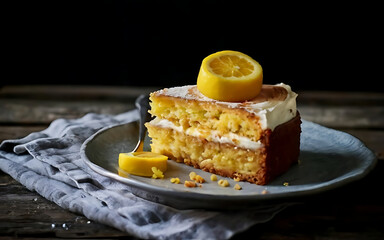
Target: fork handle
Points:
x,y
142,104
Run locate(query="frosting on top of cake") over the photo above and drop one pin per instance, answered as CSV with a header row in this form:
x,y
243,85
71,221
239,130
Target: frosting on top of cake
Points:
x,y
276,104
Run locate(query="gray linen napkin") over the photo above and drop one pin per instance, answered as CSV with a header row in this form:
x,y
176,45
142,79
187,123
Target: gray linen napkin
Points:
x,y
49,163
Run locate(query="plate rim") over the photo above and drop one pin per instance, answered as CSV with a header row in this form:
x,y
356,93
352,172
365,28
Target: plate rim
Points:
x,y
314,189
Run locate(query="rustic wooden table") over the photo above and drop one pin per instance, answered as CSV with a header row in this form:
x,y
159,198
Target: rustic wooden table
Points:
x,y
354,211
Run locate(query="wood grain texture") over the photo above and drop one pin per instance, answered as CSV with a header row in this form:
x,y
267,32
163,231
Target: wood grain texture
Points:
x,y
32,112
355,211
25,213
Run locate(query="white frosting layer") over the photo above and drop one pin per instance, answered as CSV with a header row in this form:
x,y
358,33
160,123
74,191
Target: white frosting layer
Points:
x,y
272,112
231,138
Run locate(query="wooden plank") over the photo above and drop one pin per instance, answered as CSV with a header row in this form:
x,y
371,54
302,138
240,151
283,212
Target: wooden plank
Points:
x,y
373,139
15,132
344,116
25,213
73,92
22,111
341,98
343,109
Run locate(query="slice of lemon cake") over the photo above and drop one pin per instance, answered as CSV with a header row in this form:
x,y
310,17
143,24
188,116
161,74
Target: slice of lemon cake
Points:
x,y
252,141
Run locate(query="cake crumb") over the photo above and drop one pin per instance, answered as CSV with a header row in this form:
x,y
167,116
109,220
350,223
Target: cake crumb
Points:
x,y
192,175
157,173
237,179
197,178
223,183
237,187
264,191
213,177
286,184
189,184
175,180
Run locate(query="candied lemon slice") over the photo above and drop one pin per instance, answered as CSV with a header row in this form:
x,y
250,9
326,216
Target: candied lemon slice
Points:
x,y
230,76
141,163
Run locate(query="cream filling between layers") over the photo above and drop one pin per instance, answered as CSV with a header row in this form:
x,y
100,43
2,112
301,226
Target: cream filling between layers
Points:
x,y
214,136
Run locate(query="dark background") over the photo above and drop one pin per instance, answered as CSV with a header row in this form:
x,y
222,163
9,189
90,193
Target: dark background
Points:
x,y
321,46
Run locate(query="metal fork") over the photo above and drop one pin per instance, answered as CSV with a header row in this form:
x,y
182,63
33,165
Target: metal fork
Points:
x,y
142,104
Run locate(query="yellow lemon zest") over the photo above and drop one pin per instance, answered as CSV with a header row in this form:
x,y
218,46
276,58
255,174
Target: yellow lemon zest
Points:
x,y
223,183
237,187
157,173
213,177
175,180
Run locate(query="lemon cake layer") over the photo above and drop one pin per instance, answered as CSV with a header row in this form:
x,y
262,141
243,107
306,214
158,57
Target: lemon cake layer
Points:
x,y
187,107
244,140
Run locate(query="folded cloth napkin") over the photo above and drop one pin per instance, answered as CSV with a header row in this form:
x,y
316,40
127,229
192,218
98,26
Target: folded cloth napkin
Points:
x,y
49,163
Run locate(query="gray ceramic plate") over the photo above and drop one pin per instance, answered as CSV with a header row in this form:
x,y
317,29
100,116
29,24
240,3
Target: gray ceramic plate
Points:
x,y
328,159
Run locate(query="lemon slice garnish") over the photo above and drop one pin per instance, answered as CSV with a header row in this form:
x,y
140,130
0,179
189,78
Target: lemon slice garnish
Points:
x,y
230,76
141,163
